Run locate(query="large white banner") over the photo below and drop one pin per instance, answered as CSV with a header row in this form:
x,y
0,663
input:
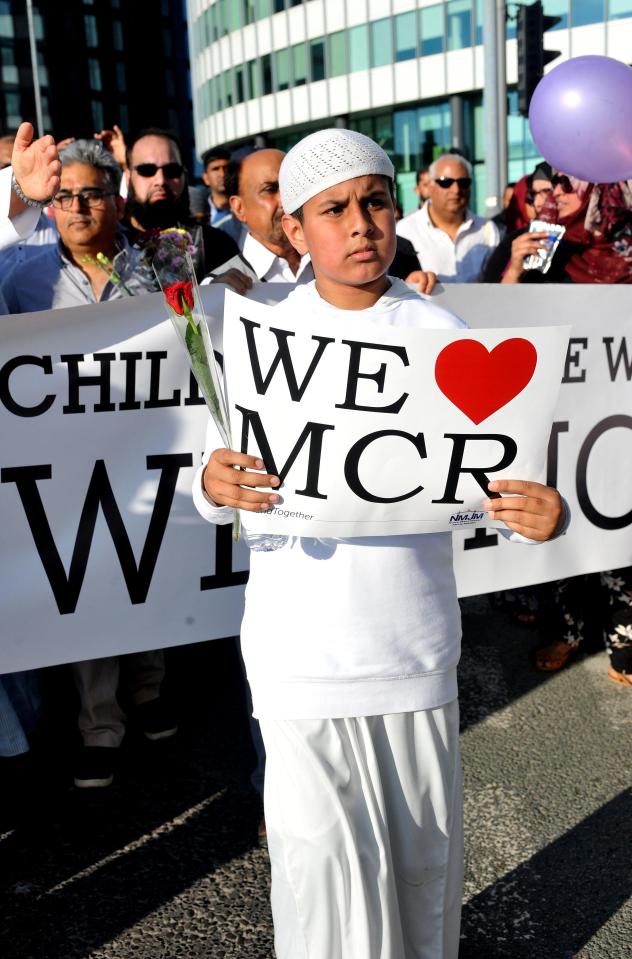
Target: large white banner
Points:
x,y
101,551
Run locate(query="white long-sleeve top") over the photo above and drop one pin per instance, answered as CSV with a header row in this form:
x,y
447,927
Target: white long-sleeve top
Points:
x,y
352,627
12,230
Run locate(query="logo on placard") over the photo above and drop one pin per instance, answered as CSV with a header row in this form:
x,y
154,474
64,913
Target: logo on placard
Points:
x,y
466,519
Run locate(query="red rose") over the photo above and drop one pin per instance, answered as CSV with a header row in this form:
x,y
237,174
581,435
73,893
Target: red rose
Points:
x,y
179,295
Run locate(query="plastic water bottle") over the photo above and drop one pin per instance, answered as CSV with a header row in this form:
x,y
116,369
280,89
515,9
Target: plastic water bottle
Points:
x,y
264,542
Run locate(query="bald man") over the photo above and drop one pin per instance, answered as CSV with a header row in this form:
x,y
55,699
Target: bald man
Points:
x,y
267,255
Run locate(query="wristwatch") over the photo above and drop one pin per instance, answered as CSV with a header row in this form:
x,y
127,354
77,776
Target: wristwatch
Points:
x,y
17,189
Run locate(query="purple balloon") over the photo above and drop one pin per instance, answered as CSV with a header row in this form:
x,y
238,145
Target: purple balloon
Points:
x,y
581,119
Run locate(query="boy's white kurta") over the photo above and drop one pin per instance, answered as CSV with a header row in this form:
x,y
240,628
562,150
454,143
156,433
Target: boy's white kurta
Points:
x,y
358,627
351,648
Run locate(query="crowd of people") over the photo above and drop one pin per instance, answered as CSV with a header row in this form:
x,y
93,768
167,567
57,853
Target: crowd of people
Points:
x,y
78,225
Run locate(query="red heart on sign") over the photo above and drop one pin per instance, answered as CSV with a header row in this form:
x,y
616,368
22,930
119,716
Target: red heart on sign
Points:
x,y
480,382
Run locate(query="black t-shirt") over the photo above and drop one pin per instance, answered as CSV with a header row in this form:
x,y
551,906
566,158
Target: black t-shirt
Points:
x,y
406,260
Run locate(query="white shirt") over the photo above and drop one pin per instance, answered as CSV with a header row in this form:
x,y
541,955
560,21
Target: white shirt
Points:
x,y
17,228
272,268
454,261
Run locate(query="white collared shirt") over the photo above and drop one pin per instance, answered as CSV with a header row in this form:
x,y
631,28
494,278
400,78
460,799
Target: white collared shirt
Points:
x,y
454,261
272,268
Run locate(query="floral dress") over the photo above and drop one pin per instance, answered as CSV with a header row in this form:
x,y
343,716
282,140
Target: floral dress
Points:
x,y
603,599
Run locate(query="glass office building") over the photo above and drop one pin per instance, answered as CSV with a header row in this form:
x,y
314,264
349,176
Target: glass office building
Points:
x,y
409,73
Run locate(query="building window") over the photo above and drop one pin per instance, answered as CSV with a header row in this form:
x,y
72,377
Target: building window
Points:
x,y
405,36
12,110
337,65
119,70
97,115
262,9
587,11
235,15
618,9
459,24
381,42
266,66
432,24
6,21
478,26
282,69
434,126
117,35
170,84
317,59
559,8
254,78
359,48
95,74
229,96
299,65
278,6
9,69
240,87
92,37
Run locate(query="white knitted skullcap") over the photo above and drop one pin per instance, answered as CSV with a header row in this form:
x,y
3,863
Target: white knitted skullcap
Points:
x,y
325,158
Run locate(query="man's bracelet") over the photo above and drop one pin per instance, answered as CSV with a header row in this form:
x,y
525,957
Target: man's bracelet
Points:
x,y
17,189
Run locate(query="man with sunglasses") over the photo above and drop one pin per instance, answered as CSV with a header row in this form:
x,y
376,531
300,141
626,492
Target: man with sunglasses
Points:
x,y
448,238
158,198
87,209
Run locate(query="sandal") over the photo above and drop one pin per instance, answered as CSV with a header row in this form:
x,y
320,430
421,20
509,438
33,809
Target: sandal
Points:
x,y
553,656
617,677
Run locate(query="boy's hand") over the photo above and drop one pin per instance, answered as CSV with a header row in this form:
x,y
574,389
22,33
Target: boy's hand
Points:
x,y
535,512
225,484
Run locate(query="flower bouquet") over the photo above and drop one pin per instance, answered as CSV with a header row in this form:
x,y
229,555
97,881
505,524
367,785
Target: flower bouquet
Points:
x,y
174,271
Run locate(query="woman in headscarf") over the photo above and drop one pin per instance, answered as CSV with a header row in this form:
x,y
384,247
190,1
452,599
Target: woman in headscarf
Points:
x,y
597,244
596,248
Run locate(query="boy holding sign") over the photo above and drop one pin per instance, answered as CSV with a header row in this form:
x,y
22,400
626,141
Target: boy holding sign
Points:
x,y
351,646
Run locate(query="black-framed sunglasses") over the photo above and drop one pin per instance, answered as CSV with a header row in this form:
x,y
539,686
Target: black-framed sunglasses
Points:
x,y
89,198
172,171
560,179
464,182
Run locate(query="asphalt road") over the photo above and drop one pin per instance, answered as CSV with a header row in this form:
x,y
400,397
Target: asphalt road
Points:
x,y
165,863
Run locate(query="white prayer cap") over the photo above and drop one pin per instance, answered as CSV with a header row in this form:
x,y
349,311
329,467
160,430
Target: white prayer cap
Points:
x,y
325,158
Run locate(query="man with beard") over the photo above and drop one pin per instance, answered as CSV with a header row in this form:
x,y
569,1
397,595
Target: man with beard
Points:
x,y
158,198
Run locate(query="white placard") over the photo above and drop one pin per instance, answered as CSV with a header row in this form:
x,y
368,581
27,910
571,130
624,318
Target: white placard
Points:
x,y
382,430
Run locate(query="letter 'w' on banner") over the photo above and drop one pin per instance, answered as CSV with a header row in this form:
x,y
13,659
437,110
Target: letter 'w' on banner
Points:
x,y
380,430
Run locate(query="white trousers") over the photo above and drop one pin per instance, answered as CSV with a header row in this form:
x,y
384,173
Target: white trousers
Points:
x,y
364,823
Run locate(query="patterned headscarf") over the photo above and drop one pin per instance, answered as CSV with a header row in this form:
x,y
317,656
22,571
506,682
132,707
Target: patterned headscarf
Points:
x,y
601,229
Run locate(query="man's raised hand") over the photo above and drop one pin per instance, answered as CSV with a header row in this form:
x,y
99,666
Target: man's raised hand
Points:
x,y
36,164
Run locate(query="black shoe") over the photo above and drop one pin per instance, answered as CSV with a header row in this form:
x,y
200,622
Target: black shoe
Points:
x,y
95,767
156,720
